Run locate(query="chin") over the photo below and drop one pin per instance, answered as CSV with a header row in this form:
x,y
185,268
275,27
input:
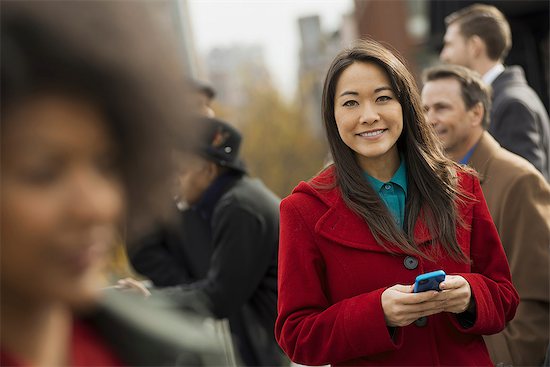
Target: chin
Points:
x,y
82,292
375,153
83,299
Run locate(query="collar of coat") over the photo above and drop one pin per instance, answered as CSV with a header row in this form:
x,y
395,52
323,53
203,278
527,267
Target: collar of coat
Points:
x,y
483,154
339,223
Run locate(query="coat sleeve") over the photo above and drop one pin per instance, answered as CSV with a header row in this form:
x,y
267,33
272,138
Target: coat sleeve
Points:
x,y
494,295
239,263
310,328
526,239
151,258
518,130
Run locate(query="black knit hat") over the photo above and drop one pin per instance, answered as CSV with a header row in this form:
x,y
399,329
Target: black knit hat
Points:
x,y
220,143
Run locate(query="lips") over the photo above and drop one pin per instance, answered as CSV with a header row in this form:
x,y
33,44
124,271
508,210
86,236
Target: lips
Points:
x,y
79,253
372,133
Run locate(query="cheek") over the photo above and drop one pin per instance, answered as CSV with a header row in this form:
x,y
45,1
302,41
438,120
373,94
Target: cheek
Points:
x,y
342,116
185,185
449,119
344,123
397,118
26,214
35,228
190,187
344,135
28,222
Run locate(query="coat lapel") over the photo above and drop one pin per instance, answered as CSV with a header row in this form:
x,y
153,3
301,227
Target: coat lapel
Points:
x,y
483,155
342,225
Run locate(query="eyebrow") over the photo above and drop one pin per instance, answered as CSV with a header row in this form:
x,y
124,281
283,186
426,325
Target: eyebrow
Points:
x,y
354,93
438,104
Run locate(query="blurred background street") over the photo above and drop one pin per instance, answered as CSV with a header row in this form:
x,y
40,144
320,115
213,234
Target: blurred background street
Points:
x,y
266,60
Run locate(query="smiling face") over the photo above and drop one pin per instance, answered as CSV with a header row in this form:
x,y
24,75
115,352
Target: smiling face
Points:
x,y
368,115
456,126
61,201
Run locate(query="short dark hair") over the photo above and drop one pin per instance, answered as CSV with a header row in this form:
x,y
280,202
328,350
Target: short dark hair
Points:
x,y
113,55
489,24
473,89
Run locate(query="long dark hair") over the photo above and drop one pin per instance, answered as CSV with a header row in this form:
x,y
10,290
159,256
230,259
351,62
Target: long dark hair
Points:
x,y
432,178
117,56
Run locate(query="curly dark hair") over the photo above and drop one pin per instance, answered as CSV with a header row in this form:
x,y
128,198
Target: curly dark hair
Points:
x,y
119,56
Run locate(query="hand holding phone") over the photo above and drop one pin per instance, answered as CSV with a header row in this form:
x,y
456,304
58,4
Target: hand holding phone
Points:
x,y
429,281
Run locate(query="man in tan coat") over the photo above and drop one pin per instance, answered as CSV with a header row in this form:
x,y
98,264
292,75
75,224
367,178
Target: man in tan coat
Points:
x,y
456,102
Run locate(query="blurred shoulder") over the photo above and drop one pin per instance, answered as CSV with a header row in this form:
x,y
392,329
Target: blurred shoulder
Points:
x,y
173,336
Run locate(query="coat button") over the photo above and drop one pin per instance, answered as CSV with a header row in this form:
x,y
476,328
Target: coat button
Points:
x,y
421,322
410,262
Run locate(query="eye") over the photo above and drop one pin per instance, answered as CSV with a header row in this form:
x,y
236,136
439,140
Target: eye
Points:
x,y
383,98
41,175
350,103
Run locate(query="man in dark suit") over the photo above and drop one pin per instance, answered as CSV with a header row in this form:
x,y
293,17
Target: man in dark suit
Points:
x,y
518,197
478,37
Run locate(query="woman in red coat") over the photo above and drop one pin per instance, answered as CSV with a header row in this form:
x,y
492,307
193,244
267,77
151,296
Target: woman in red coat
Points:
x,y
390,208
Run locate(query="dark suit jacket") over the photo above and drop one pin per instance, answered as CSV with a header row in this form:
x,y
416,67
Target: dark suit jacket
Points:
x,y
519,121
518,198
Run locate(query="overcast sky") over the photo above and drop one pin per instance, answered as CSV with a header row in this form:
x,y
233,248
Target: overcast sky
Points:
x,y
271,24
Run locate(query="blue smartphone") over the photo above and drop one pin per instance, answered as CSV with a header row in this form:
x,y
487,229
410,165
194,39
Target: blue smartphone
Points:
x,y
429,281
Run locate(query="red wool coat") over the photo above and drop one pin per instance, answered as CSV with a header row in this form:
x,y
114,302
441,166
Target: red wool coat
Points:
x,y
332,274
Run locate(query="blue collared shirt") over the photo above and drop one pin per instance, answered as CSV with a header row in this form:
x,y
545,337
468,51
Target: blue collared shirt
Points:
x,y
466,158
393,192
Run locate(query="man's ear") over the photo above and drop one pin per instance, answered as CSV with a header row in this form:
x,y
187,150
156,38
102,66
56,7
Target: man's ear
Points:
x,y
477,112
477,46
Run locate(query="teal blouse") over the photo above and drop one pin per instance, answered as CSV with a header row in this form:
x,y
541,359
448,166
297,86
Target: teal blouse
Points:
x,y
393,192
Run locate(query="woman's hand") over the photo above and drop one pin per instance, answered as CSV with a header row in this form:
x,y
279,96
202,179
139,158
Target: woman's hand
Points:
x,y
402,307
456,294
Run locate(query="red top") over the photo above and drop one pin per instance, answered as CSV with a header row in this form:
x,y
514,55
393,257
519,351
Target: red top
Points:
x,y
87,350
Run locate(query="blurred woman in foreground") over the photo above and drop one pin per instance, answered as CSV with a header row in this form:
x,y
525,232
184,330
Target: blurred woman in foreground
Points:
x,y
89,112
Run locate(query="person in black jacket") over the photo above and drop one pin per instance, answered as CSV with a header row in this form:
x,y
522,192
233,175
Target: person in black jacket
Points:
x,y
221,258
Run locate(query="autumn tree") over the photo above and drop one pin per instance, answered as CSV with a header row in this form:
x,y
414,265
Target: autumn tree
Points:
x,y
279,146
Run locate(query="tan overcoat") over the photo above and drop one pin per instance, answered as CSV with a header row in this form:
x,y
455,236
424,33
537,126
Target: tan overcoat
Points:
x,y
518,198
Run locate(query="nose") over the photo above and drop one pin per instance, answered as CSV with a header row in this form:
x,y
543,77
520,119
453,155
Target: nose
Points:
x,y
443,55
95,199
369,114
